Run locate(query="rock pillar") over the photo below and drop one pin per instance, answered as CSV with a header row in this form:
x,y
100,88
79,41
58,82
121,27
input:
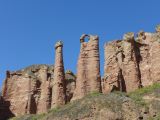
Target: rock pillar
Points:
x,y
88,68
131,71
59,87
121,71
44,104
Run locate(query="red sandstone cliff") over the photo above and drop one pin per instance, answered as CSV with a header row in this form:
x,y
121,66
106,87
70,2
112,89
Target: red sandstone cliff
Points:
x,y
29,91
130,64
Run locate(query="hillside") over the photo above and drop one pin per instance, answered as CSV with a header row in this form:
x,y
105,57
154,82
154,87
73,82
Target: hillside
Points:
x,y
142,104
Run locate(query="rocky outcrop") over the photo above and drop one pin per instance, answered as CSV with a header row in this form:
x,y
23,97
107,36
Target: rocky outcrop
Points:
x,y
131,64
88,68
29,90
37,88
70,80
5,112
59,87
45,98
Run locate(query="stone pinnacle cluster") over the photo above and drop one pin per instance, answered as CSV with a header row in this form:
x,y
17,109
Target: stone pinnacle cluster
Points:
x,y
129,64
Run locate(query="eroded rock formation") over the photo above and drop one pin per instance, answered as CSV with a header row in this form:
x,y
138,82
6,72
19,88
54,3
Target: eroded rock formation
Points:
x,y
88,68
59,87
28,90
70,84
131,64
5,112
37,88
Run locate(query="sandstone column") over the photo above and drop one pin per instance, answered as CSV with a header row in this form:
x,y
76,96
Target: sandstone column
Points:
x,y
94,64
82,79
88,68
155,56
59,87
43,101
112,65
130,69
121,71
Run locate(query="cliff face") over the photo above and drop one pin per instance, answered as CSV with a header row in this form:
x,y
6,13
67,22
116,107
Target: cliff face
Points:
x,y
5,112
29,91
130,63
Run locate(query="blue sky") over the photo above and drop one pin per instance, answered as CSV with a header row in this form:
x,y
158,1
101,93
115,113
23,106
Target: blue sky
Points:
x,y
30,28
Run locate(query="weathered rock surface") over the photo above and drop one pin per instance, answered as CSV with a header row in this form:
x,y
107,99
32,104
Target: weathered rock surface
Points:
x,y
131,64
5,112
29,91
59,85
70,84
88,68
37,88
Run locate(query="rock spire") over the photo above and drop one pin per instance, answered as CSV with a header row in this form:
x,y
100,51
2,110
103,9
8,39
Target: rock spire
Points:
x,y
59,87
88,68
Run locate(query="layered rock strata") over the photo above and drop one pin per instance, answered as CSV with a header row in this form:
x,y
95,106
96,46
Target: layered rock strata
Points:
x,y
5,112
29,90
88,68
131,64
59,84
70,80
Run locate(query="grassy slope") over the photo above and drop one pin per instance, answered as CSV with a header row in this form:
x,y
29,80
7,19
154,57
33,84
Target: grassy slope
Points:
x,y
83,107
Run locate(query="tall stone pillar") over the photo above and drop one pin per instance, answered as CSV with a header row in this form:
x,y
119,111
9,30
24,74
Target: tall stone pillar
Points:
x,y
59,87
88,68
43,100
94,64
131,71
